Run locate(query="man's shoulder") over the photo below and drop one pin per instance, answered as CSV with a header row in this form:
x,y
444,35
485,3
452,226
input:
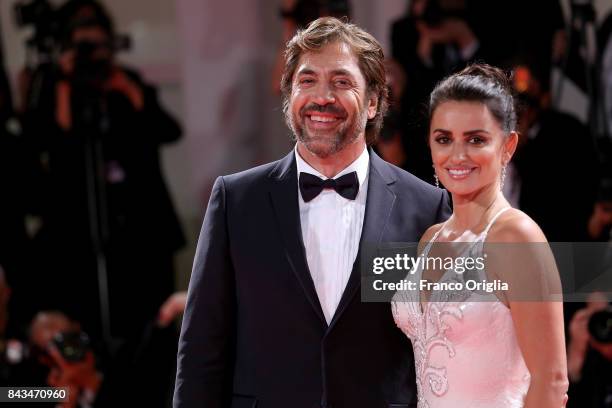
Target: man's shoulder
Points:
x,y
258,174
408,183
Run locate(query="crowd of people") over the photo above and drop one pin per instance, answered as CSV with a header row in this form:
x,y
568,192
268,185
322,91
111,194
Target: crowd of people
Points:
x,y
88,229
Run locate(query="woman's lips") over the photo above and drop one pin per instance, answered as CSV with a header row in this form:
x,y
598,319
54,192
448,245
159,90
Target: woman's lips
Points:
x,y
460,173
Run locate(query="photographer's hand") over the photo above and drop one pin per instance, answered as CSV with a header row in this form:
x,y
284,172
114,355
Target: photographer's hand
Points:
x,y
425,43
579,336
63,110
77,377
120,82
600,219
172,307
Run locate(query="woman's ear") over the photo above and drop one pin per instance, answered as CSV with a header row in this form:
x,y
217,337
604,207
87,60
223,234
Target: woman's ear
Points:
x,y
510,146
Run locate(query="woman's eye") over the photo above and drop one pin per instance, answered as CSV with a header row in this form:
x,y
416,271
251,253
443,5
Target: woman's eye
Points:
x,y
442,139
476,140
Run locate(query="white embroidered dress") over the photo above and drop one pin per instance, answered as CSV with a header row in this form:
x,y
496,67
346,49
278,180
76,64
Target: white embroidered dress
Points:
x,y
465,346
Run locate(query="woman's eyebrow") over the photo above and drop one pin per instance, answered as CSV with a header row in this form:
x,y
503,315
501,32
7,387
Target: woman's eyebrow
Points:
x,y
475,132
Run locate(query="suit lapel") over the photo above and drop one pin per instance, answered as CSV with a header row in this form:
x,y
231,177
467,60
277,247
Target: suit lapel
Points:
x,y
379,205
284,197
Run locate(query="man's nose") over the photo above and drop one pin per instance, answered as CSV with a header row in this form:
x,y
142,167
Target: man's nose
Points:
x,y
324,95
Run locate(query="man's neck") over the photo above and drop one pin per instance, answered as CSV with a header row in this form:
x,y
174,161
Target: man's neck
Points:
x,y
333,164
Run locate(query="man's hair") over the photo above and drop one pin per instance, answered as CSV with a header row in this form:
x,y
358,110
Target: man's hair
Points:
x,y
369,53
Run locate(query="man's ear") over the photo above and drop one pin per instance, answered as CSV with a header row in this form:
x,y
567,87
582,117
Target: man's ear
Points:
x,y
372,105
510,146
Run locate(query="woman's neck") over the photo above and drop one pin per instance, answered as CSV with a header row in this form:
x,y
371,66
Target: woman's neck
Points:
x,y
470,211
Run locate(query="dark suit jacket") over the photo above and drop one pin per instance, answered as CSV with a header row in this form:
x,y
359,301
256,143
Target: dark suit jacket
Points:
x,y
254,334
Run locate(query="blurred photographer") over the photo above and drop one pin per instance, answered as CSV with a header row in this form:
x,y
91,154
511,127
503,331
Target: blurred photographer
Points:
x,y
533,183
600,222
97,127
590,355
434,39
297,14
64,357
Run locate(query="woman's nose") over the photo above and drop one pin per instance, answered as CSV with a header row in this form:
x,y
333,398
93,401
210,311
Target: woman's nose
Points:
x,y
458,153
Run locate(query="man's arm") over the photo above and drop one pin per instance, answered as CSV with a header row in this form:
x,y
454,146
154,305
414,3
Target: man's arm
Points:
x,y
206,346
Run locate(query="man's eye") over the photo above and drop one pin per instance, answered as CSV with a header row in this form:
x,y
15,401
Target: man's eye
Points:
x,y
306,81
342,83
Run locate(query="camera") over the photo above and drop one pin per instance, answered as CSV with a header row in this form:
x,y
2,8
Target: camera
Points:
x,y
600,326
41,15
72,345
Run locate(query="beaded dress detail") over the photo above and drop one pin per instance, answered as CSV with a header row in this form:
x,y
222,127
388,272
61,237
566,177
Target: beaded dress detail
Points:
x,y
465,347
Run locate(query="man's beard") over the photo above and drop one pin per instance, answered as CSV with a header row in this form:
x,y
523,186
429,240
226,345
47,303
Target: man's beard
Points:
x,y
324,146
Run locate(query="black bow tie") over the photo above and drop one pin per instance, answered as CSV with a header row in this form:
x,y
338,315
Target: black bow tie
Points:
x,y
311,186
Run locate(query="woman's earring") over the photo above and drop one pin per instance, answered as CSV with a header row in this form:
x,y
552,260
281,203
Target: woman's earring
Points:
x,y
436,176
503,177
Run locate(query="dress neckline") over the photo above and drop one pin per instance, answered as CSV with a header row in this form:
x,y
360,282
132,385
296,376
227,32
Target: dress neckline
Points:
x,y
481,237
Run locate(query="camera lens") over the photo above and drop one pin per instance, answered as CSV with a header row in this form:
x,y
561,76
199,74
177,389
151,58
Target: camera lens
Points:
x,y
600,326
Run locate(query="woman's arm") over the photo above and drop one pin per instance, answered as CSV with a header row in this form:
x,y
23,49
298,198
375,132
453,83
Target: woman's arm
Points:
x,y
524,260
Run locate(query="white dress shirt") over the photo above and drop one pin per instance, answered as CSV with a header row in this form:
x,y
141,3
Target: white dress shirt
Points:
x,y
331,230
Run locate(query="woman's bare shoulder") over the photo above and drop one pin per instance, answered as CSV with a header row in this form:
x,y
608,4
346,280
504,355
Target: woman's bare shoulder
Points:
x,y
515,226
428,235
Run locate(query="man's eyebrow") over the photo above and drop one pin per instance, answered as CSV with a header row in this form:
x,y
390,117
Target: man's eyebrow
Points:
x,y
306,71
341,71
338,71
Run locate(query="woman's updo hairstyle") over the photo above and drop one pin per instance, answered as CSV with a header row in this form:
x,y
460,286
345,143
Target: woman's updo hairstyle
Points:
x,y
479,83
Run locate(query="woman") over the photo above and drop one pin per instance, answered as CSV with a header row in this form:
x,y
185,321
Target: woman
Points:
x,y
483,349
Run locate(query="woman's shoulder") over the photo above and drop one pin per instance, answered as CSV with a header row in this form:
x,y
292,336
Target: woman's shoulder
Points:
x,y
428,235
514,225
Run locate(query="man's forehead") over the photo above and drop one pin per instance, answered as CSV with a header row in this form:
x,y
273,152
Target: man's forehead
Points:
x,y
331,57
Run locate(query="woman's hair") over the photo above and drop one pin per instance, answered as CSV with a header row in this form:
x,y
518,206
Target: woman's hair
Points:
x,y
479,83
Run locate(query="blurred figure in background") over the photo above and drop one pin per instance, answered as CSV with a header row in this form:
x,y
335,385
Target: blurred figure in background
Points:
x,y
433,40
97,128
62,357
16,185
590,355
439,37
296,15
87,101
539,183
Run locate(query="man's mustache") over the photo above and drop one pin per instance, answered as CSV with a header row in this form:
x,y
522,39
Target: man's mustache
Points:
x,y
331,109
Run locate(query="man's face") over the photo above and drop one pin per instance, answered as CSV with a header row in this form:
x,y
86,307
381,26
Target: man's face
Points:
x,y
329,103
97,39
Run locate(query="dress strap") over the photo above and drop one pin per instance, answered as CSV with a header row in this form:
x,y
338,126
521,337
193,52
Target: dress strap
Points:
x,y
433,238
490,224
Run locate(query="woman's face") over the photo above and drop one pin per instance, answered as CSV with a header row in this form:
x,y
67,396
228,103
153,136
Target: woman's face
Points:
x,y
468,147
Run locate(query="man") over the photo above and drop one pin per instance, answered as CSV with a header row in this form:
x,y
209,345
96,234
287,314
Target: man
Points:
x,y
273,316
